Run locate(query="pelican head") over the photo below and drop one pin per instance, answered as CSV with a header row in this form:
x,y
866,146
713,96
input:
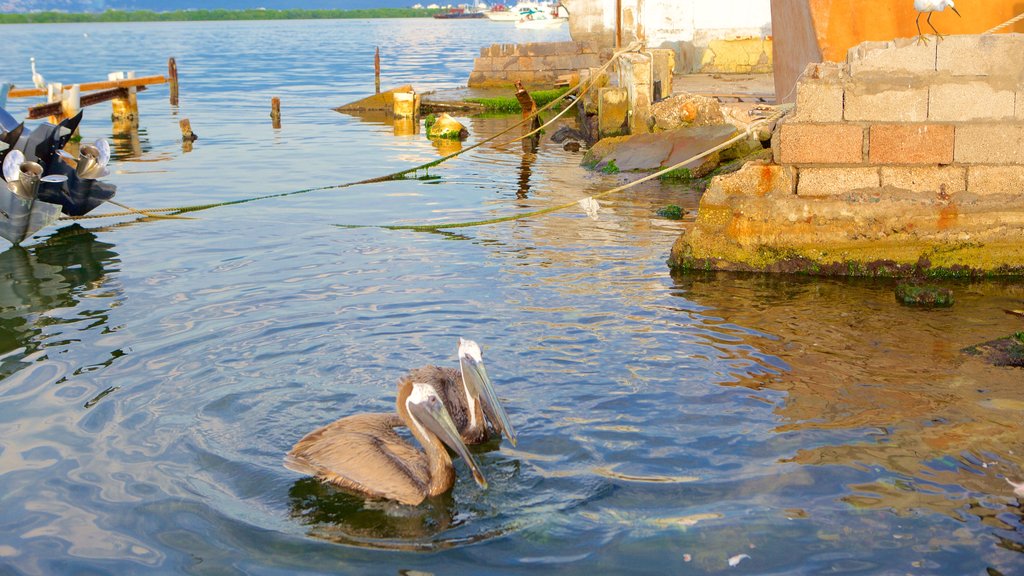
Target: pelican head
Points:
x,y
430,416
474,375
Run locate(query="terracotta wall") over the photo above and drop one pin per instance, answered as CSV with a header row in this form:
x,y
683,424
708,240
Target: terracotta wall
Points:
x,y
807,31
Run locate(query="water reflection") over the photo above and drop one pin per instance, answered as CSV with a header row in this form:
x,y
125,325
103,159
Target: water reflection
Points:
x,y
42,278
128,141
885,389
337,516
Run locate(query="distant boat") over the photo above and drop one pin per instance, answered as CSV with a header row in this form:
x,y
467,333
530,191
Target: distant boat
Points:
x,y
502,13
454,13
540,20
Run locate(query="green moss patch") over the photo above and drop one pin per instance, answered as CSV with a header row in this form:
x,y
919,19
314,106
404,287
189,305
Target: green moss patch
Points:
x,y
924,295
510,104
672,212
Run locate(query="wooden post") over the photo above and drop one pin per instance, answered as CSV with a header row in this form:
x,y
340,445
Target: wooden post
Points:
x,y
275,112
525,100
71,101
405,105
172,78
529,109
187,136
376,69
120,107
186,131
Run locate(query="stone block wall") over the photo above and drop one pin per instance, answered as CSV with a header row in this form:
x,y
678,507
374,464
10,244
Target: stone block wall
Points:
x,y
537,64
907,159
941,117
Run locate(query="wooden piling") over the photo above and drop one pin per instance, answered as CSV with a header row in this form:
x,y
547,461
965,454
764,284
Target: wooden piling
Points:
x,y
71,101
127,107
172,78
525,100
376,69
275,112
529,107
186,131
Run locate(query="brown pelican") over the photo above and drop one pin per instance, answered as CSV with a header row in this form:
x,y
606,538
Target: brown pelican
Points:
x,y
468,395
363,454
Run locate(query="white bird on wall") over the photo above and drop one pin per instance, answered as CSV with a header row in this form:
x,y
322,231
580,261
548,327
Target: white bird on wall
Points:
x,y
930,6
37,78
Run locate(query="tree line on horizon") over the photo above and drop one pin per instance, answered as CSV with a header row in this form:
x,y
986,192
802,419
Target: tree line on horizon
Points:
x,y
200,15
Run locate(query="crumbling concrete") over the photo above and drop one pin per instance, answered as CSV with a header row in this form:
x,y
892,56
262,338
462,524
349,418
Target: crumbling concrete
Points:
x,y
537,64
874,174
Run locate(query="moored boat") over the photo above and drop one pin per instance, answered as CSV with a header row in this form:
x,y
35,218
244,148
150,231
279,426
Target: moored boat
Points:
x,y
458,13
540,19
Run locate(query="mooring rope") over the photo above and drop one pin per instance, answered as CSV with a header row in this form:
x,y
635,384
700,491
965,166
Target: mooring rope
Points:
x,y
581,88
445,226
1009,22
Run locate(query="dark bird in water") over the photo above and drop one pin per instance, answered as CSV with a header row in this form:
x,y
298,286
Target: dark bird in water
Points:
x,y
363,453
468,395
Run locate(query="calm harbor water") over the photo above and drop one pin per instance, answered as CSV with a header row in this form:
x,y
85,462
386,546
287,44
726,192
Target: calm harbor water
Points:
x,y
153,374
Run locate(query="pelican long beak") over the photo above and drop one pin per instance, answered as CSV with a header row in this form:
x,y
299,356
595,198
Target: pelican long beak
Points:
x,y
475,375
955,10
435,418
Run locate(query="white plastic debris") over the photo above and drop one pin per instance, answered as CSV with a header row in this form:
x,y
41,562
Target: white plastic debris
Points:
x,y
735,560
591,207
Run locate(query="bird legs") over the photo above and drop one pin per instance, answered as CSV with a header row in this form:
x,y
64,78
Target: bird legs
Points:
x,y
921,38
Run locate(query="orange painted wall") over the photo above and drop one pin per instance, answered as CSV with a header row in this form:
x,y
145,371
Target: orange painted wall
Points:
x,y
805,31
842,24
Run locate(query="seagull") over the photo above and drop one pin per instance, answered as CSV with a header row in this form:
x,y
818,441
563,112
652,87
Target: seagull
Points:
x,y
37,78
930,6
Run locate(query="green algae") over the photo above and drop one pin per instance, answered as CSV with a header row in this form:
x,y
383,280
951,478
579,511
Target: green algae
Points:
x,y
672,212
924,295
510,104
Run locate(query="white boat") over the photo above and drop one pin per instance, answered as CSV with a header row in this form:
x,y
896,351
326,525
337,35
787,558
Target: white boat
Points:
x,y
505,13
540,20
502,13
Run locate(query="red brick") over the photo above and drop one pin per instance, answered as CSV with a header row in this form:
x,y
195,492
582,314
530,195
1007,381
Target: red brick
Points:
x,y
910,144
821,144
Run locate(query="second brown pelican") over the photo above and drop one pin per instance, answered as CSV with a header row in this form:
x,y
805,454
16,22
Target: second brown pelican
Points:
x,y
363,453
468,395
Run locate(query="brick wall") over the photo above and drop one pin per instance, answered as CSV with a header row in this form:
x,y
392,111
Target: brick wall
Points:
x,y
534,64
944,117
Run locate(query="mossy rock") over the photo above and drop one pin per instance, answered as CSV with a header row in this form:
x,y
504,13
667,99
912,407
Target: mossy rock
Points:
x,y
1007,351
672,212
924,295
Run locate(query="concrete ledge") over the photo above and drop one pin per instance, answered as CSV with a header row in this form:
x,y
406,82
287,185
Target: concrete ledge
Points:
x,y
981,55
937,179
901,56
834,181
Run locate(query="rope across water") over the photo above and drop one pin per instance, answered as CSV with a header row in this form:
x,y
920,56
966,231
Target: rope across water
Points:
x,y
579,90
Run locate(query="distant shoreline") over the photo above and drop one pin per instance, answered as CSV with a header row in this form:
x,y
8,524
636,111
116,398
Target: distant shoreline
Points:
x,y
210,15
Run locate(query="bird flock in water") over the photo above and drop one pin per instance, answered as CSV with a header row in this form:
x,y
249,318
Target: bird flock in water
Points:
x,y
442,407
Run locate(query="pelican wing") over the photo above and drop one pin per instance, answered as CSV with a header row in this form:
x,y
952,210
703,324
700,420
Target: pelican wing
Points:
x,y
362,453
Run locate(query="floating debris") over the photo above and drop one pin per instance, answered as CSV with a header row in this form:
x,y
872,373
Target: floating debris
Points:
x,y
591,207
735,560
